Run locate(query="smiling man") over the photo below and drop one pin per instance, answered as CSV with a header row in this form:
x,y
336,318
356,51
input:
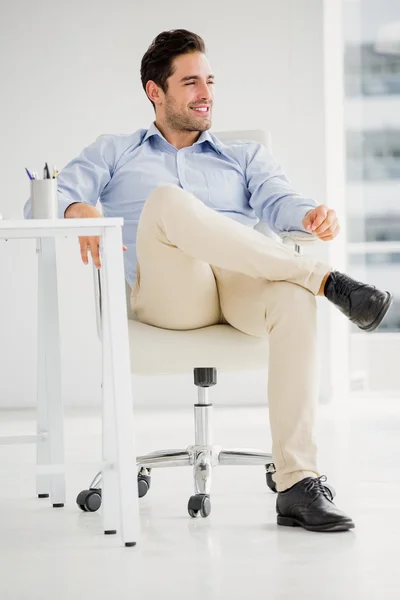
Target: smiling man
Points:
x,y
193,259
180,113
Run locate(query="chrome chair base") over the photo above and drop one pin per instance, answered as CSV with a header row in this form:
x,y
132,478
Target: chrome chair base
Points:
x,y
202,456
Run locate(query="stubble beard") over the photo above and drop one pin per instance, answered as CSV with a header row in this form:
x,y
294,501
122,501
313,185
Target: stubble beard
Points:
x,y
179,122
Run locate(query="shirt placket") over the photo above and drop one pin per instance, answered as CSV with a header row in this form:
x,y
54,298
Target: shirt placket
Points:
x,y
181,168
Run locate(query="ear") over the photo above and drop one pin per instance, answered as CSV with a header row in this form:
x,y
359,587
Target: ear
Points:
x,y
154,92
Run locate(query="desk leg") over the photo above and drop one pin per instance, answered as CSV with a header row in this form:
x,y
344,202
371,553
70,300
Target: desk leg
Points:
x,y
50,452
115,327
110,503
43,482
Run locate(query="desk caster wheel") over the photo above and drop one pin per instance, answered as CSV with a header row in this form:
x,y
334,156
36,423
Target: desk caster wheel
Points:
x,y
200,503
89,500
270,482
143,482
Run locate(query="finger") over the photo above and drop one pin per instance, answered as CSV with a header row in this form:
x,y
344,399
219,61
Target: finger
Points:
x,y
329,223
335,228
94,251
307,221
319,218
83,242
330,235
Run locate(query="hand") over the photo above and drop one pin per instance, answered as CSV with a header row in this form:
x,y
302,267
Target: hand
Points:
x,y
81,210
322,222
92,243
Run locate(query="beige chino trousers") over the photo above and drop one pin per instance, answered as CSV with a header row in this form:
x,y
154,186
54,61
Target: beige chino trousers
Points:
x,y
197,268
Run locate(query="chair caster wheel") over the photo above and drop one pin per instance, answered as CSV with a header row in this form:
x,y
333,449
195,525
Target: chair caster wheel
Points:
x,y
270,482
199,503
89,500
143,482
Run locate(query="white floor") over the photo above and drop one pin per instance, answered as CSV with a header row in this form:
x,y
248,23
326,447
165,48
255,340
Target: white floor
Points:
x,y
238,552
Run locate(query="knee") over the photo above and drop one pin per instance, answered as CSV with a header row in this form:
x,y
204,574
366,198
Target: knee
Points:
x,y
172,197
291,300
167,193
290,294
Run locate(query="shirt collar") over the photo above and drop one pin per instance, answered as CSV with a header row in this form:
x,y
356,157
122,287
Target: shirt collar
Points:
x,y
205,136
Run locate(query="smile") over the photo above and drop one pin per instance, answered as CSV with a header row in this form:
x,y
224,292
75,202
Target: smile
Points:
x,y
202,111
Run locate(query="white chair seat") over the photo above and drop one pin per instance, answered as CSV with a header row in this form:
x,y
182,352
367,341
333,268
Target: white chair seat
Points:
x,y
165,351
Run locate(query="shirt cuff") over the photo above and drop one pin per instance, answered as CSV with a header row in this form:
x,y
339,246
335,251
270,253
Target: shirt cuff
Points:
x,y
297,215
63,203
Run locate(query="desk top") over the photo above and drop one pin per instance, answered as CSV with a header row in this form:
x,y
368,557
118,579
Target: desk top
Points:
x,y
25,228
8,224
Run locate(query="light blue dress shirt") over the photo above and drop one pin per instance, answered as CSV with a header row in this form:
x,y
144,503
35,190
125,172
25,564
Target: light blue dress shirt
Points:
x,y
240,180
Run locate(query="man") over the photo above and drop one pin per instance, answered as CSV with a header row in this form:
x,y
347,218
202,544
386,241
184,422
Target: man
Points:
x,y
193,258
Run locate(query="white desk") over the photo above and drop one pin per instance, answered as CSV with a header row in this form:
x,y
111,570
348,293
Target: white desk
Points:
x,y
120,509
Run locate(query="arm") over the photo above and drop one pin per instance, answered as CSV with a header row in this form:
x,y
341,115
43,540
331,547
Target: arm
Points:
x,y
81,210
273,199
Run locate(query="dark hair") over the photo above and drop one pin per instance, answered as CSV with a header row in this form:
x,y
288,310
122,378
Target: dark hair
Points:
x,y
157,63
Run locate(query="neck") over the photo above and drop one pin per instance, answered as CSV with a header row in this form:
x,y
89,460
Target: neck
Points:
x,y
179,139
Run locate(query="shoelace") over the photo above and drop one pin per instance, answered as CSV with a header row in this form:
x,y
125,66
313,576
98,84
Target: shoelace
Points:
x,y
343,287
315,485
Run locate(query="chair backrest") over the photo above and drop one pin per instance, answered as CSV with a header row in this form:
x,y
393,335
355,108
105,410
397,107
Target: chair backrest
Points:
x,y
246,135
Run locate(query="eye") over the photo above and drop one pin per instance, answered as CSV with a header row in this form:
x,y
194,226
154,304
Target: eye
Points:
x,y
193,82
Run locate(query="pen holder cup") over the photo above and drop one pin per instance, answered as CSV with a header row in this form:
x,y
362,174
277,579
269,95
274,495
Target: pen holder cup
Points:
x,y
44,198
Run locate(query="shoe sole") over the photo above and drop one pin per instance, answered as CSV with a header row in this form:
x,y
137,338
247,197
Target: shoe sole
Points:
x,y
327,527
381,315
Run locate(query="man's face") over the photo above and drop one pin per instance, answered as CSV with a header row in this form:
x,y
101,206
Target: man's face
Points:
x,y
190,87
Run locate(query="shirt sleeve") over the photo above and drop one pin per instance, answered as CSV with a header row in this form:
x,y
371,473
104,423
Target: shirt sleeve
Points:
x,y
272,196
85,177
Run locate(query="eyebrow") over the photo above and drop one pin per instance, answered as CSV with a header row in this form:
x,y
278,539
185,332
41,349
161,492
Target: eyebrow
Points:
x,y
187,77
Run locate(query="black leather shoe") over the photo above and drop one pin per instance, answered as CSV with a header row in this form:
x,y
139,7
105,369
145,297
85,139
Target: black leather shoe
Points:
x,y
308,504
363,304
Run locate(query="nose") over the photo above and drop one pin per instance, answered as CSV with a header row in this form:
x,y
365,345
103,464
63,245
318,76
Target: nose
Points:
x,y
206,92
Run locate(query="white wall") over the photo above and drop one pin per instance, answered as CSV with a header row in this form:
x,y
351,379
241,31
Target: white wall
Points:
x,y
72,72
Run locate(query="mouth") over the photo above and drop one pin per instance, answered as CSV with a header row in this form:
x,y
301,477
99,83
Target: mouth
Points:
x,y
201,110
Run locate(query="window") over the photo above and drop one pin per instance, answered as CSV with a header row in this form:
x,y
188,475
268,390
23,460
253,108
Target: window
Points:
x,y
372,121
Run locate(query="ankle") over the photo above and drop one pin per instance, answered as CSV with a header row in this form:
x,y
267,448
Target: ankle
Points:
x,y
322,288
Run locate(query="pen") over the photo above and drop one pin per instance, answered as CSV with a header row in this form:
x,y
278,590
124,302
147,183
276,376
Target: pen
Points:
x,y
55,171
29,175
46,173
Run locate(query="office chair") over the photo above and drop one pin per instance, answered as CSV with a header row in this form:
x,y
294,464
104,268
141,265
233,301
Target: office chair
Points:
x,y
156,351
